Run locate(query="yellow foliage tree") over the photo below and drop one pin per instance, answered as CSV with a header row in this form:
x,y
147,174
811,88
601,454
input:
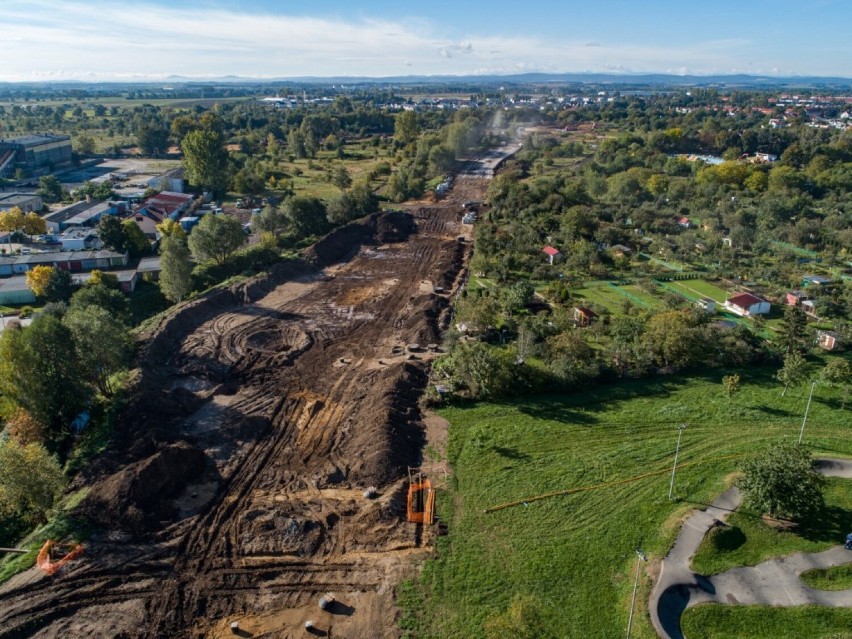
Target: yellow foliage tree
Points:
x,y
12,220
38,279
34,224
171,228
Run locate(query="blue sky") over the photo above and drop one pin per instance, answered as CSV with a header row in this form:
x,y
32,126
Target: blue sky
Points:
x,y
151,39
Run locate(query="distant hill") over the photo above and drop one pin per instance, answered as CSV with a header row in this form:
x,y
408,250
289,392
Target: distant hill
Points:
x,y
656,80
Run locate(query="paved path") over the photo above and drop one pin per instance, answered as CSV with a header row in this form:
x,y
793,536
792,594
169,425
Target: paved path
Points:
x,y
772,583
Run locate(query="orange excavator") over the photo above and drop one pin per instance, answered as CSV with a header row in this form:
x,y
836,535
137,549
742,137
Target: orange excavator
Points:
x,y
421,499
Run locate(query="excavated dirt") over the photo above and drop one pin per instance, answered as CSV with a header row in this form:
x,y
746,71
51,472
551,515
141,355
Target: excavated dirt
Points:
x,y
233,489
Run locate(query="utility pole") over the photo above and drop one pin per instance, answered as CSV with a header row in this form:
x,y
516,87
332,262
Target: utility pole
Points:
x,y
807,410
680,430
640,557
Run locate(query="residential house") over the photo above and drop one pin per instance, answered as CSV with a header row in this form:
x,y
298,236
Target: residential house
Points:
x,y
584,316
827,340
553,254
684,222
166,204
621,250
765,157
794,298
809,307
747,305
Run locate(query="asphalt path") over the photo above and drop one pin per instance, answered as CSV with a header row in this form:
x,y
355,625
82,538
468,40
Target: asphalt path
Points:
x,y
774,582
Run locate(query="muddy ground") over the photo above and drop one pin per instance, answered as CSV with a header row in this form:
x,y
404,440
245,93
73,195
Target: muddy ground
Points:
x,y
234,488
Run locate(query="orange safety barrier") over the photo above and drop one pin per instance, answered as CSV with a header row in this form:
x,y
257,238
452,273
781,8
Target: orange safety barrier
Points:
x,y
44,562
421,502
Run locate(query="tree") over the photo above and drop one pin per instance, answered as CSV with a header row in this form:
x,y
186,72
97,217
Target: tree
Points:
x,y
34,224
85,144
113,233
137,243
103,345
49,188
306,216
731,384
50,283
270,220
152,137
341,178
793,372
216,238
176,269
102,295
781,482
40,372
171,228
406,127
30,480
12,220
484,371
206,160
838,373
793,329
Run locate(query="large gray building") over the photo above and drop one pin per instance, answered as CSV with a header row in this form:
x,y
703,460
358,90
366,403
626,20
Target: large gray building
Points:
x,y
35,154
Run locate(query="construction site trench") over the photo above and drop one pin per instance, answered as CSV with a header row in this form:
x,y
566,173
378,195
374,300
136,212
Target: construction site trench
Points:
x,y
234,489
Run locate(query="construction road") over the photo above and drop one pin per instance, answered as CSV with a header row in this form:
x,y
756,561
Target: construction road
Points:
x,y
234,488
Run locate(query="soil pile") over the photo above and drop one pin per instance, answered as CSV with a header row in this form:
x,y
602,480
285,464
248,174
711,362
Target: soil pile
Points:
x,y
139,497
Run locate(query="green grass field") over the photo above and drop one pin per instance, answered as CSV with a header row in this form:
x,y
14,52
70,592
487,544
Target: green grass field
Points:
x,y
575,553
715,621
837,578
748,540
694,289
612,297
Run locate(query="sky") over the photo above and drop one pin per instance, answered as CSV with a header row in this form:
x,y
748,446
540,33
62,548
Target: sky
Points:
x,y
46,40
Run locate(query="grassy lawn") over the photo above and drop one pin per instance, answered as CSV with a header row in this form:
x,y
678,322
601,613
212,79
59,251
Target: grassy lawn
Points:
x,y
694,289
748,540
575,553
837,578
715,621
612,296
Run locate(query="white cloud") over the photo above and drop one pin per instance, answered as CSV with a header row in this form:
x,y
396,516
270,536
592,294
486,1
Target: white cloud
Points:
x,y
55,39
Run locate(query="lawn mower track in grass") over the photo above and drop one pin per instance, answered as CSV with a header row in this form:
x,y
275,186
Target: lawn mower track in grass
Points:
x,y
575,553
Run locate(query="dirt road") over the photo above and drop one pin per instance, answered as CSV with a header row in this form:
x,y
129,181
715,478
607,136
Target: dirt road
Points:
x,y
234,489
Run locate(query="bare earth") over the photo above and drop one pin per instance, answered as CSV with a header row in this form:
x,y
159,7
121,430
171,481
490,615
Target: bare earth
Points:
x,y
233,491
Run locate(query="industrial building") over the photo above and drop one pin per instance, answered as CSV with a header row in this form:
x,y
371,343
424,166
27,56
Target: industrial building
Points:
x,y
35,154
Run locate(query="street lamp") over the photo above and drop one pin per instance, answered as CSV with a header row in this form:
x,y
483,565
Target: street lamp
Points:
x,y
807,410
680,430
640,557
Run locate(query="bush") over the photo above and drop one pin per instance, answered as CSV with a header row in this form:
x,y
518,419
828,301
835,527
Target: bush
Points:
x,y
26,311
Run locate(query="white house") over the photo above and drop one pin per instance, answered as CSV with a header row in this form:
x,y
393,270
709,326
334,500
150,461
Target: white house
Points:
x,y
746,305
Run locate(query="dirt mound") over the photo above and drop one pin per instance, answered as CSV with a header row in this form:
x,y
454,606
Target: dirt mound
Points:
x,y
378,228
138,498
394,226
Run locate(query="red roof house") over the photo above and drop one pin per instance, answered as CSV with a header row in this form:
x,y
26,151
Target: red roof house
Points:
x,y
553,254
746,305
